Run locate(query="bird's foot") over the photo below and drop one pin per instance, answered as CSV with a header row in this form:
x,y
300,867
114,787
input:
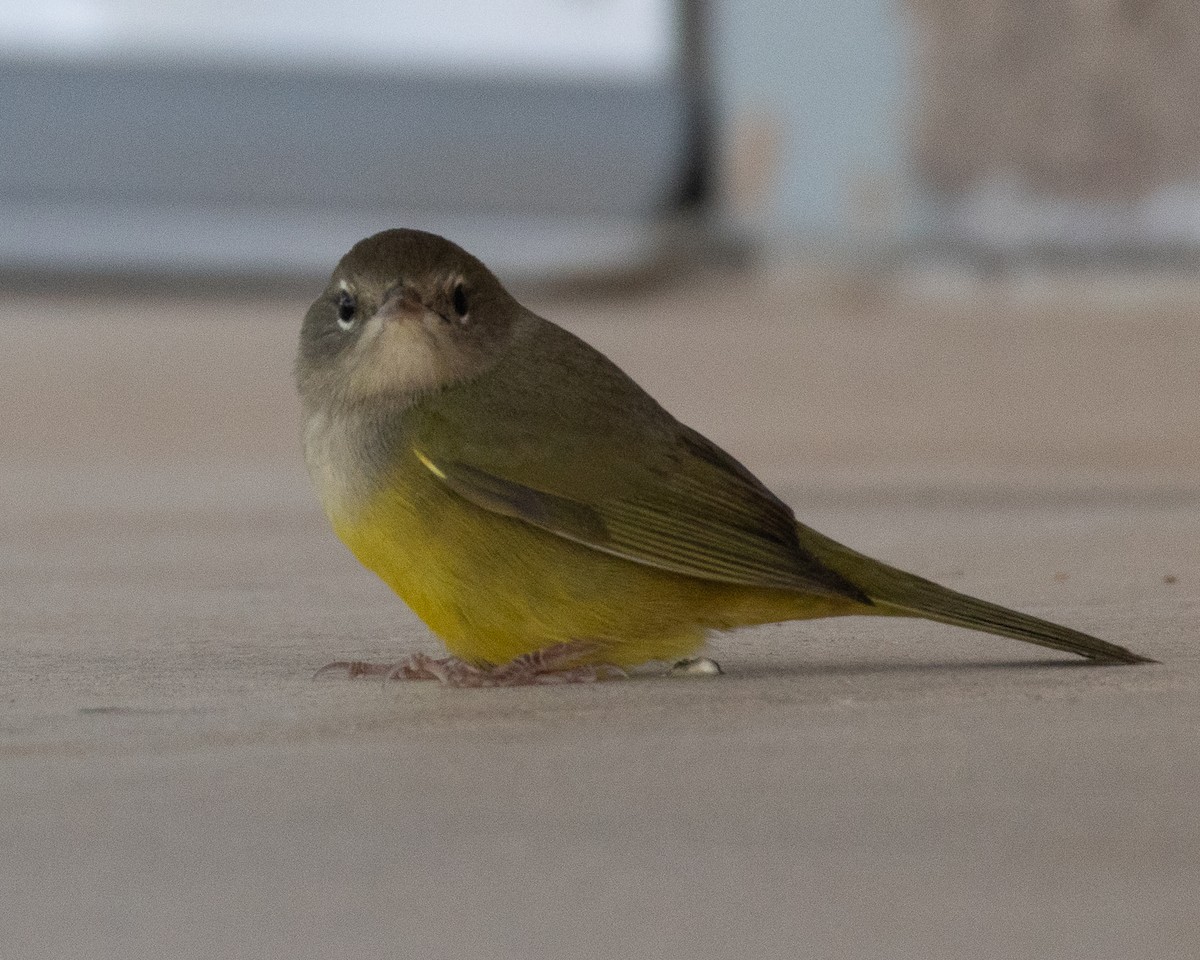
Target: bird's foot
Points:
x,y
553,665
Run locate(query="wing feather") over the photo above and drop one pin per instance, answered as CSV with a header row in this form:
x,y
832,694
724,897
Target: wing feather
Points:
x,y
691,538
625,476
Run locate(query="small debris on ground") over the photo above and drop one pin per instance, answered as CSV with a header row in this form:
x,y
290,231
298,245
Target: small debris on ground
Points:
x,y
699,667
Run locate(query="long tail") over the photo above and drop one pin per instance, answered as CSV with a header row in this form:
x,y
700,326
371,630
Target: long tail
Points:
x,y
905,594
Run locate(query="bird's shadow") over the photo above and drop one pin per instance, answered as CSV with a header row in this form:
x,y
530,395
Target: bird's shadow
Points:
x,y
856,668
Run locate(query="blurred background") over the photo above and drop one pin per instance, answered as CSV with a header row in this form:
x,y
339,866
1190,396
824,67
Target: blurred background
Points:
x,y
581,135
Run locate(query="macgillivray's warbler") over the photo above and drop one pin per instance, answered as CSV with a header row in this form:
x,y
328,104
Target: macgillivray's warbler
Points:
x,y
540,511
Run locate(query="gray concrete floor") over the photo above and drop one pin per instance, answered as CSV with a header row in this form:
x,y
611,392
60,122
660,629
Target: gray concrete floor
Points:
x,y
174,784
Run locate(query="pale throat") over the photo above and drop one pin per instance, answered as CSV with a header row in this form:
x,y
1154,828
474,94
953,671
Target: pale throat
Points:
x,y
406,358
351,436
349,451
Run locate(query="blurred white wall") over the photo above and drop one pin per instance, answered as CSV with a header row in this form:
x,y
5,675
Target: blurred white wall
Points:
x,y
224,135
615,38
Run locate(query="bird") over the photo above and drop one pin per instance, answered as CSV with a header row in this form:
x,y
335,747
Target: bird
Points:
x,y
540,511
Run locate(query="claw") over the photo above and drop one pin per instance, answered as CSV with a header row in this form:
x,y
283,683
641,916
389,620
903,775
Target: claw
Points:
x,y
550,665
354,668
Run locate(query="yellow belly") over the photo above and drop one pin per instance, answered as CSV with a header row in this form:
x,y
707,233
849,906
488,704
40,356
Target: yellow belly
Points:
x,y
494,588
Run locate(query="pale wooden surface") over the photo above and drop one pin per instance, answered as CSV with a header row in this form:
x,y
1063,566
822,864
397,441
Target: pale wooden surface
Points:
x,y
173,783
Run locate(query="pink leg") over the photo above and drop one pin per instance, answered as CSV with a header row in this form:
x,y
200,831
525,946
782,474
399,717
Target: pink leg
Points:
x,y
551,665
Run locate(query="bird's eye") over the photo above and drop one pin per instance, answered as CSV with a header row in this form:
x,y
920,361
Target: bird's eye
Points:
x,y
347,308
459,300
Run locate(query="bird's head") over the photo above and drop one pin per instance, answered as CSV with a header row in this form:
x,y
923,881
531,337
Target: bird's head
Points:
x,y
405,313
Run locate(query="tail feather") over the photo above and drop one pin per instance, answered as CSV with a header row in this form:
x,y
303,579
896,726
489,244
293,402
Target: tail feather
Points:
x,y
897,592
